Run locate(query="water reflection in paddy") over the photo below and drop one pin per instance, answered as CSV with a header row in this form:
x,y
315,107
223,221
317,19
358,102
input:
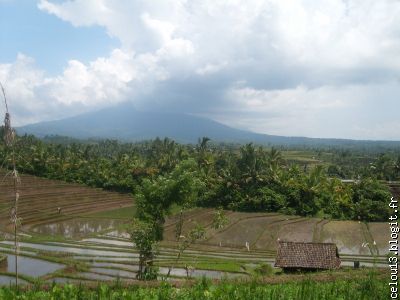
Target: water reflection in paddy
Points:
x,y
30,266
77,227
82,251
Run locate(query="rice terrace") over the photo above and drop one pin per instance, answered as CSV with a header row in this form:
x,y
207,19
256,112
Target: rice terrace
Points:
x,y
199,150
161,218
73,233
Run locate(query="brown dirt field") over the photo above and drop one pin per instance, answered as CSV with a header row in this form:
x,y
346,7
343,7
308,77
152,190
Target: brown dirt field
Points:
x,y
203,217
381,234
269,237
40,199
347,235
317,238
172,219
246,230
298,231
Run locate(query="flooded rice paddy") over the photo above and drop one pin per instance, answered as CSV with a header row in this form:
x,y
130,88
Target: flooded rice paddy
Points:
x,y
106,251
77,227
81,251
30,266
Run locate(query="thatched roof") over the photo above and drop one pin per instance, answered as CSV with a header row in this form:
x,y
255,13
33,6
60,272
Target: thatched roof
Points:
x,y
307,255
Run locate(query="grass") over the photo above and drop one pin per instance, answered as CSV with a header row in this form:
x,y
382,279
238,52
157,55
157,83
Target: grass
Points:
x,y
233,267
369,287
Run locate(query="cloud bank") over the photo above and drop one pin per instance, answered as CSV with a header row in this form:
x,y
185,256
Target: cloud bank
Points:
x,y
326,68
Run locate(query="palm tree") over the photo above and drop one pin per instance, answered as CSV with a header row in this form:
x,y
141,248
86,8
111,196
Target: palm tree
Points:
x,y
274,157
203,157
274,161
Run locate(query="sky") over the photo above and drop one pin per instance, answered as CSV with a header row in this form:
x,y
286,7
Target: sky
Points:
x,y
322,68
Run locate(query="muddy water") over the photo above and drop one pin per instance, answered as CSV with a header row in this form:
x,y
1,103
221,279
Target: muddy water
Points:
x,y
78,227
30,266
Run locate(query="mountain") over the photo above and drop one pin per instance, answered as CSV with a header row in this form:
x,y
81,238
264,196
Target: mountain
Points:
x,y
125,123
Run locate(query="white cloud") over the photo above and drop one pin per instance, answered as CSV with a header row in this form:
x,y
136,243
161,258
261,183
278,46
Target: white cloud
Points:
x,y
81,87
328,33
287,101
211,68
297,61
351,111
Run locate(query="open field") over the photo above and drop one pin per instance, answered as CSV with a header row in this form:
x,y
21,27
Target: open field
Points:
x,y
43,200
88,240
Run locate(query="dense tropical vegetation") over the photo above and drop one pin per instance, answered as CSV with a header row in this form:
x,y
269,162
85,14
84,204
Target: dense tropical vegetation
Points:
x,y
237,177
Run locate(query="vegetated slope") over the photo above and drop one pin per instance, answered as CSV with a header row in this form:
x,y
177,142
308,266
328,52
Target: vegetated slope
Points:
x,y
44,200
123,122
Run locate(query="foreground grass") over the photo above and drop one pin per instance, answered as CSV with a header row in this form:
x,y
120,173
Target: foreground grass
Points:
x,y
370,287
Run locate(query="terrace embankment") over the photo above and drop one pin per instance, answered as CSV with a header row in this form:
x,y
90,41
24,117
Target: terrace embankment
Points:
x,y
44,201
3,261
72,233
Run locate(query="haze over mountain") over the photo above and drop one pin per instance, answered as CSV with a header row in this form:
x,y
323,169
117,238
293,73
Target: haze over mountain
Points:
x,y
125,123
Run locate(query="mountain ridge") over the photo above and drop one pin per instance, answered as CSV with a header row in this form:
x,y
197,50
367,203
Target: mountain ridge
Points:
x,y
125,123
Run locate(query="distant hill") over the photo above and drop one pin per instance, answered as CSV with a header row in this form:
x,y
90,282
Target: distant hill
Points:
x,y
125,123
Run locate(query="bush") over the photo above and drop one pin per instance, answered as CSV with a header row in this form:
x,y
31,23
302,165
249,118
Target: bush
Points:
x,y
264,269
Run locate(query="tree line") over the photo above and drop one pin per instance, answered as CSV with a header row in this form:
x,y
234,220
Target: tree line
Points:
x,y
237,177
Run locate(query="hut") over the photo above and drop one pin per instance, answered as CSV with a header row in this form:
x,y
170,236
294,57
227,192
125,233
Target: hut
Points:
x,y
294,256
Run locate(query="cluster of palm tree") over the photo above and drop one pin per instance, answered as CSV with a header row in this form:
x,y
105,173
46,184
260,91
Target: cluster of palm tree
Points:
x,y
244,177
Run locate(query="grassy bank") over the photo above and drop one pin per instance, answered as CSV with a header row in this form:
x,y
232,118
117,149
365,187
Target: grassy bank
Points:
x,y
370,287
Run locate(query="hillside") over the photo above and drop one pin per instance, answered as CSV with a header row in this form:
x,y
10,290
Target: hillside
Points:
x,y
41,199
125,123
